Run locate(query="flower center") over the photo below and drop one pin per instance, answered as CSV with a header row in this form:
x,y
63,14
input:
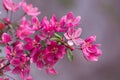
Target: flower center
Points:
x,y
54,50
57,24
88,44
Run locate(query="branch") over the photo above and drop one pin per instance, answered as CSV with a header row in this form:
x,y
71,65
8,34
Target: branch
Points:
x,y
8,63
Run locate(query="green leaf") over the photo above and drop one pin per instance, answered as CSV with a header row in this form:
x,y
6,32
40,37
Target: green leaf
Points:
x,y
14,25
69,55
59,43
58,36
55,38
11,26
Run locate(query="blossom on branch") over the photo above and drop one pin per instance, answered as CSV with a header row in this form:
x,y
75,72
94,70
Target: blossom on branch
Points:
x,y
9,5
73,36
29,9
90,50
41,42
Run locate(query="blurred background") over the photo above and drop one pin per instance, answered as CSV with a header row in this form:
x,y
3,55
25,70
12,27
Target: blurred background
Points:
x,y
100,18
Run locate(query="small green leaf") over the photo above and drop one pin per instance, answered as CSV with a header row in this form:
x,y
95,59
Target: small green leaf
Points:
x,y
14,25
59,43
69,55
11,26
58,36
55,38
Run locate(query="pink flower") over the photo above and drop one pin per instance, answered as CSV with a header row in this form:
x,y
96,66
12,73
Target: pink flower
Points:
x,y
16,51
10,5
32,43
70,20
21,66
73,36
6,38
47,30
24,29
54,48
36,25
38,58
24,32
47,26
28,8
53,53
90,50
57,25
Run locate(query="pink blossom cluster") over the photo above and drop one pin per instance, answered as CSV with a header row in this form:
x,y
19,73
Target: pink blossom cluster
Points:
x,y
43,43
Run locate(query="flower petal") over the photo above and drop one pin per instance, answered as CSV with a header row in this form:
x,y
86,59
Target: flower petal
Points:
x,y
70,42
78,33
6,38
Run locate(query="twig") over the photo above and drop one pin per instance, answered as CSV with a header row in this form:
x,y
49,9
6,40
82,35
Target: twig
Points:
x,y
8,63
9,76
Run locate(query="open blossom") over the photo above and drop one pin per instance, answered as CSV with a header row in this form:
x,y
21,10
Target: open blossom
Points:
x,y
47,26
32,43
54,52
73,35
5,38
25,29
18,59
90,50
16,51
47,30
10,5
57,24
36,25
48,57
70,20
38,58
58,50
30,10
21,66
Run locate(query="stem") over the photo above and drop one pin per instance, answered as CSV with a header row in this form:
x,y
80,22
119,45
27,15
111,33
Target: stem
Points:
x,y
9,76
21,17
8,63
11,16
1,32
24,15
66,44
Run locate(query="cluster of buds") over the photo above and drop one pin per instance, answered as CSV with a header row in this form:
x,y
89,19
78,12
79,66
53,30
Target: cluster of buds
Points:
x,y
43,43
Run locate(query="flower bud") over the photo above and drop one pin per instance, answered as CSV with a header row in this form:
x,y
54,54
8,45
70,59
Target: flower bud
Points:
x,y
2,26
